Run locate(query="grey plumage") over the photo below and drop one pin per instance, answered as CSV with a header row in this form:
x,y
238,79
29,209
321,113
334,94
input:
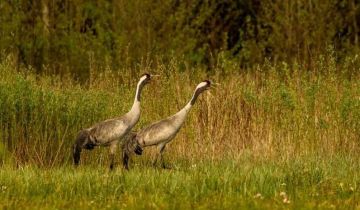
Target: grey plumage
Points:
x,y
162,132
110,132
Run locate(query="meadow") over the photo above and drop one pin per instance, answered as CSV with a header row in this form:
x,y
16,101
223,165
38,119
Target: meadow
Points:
x,y
276,136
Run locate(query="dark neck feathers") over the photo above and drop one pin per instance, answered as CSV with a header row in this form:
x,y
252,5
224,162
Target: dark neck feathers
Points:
x,y
195,96
138,90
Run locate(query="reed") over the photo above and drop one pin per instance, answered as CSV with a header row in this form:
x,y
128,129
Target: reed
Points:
x,y
273,111
276,135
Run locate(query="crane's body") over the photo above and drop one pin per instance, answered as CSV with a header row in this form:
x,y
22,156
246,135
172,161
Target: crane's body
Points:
x,y
162,132
111,131
108,131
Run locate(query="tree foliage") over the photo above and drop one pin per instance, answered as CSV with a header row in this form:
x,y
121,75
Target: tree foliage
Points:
x,y
69,36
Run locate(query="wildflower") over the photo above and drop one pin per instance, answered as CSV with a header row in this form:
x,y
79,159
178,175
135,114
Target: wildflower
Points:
x,y
286,200
285,197
341,184
283,194
258,195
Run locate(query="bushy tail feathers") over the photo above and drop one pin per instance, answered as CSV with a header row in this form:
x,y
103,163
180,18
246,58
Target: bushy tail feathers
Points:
x,y
131,145
138,150
81,140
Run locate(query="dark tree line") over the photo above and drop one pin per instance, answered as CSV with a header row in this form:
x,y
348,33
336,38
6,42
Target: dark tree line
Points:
x,y
67,36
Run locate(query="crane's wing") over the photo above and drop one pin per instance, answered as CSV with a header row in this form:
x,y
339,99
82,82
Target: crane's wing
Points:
x,y
158,132
109,130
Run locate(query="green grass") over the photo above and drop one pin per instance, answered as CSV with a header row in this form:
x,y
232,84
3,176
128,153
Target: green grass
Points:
x,y
228,184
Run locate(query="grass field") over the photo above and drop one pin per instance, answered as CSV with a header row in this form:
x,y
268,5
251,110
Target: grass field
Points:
x,y
276,136
307,183
299,183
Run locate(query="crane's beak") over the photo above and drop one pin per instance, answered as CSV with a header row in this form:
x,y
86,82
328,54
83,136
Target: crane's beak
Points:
x,y
214,85
153,76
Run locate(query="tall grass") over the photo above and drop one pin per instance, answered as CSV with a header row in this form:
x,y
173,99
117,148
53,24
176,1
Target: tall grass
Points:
x,y
272,112
276,136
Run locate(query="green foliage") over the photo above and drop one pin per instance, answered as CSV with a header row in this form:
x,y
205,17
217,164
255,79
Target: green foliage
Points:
x,y
65,36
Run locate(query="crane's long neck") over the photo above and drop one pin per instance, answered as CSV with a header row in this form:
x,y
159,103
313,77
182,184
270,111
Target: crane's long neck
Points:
x,y
184,111
134,113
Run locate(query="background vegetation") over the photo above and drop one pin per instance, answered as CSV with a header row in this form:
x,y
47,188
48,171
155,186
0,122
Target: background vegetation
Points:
x,y
61,36
271,111
281,131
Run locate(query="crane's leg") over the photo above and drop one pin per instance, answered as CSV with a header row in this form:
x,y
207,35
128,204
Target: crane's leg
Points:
x,y
126,160
76,153
113,148
155,160
162,148
160,155
157,155
125,155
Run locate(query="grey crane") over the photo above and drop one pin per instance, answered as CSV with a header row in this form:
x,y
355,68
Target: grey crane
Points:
x,y
111,131
162,132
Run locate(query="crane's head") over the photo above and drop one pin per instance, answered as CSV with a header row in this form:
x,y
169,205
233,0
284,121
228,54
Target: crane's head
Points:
x,y
204,85
201,87
146,78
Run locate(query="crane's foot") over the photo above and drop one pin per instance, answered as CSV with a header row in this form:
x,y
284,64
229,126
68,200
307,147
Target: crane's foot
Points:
x,y
125,161
166,167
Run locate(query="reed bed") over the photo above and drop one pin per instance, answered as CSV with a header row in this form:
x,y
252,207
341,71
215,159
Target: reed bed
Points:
x,y
261,131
